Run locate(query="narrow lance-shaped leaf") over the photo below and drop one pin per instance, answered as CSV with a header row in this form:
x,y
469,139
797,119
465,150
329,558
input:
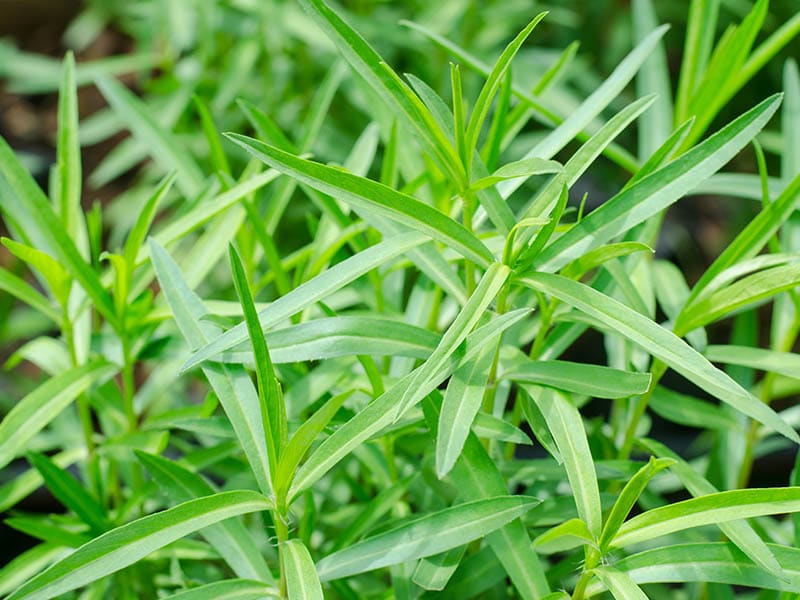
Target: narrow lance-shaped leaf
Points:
x,y
302,582
580,161
718,562
381,411
739,532
69,159
593,380
492,84
707,510
312,291
629,496
70,492
566,426
385,82
476,476
273,412
35,411
655,192
423,536
652,78
660,342
371,195
231,383
23,291
752,239
230,538
619,584
342,336
31,213
301,441
462,400
232,589
747,290
473,310
129,543
592,106
135,239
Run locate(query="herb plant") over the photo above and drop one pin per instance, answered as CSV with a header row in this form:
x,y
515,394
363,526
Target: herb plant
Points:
x,y
270,374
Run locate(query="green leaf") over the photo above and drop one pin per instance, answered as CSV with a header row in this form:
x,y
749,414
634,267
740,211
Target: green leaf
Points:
x,y
68,159
657,191
701,29
163,146
31,214
718,562
434,572
273,411
23,291
302,582
137,234
462,400
369,65
423,536
525,167
231,383
739,532
653,78
57,278
494,428
690,411
371,195
380,412
782,363
301,441
492,84
216,154
473,310
565,536
204,211
629,496
232,589
566,426
129,543
35,411
747,290
70,492
710,509
332,337
594,258
752,239
592,380
476,476
312,291
230,538
581,160
659,342
27,564
619,584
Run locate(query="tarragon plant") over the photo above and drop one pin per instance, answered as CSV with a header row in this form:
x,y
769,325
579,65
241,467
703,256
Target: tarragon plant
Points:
x,y
373,397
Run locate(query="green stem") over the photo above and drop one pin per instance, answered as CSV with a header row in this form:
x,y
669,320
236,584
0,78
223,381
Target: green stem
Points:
x,y
592,559
746,468
469,268
282,533
639,408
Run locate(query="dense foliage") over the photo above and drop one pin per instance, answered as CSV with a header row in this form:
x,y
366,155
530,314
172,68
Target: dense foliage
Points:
x,y
348,332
